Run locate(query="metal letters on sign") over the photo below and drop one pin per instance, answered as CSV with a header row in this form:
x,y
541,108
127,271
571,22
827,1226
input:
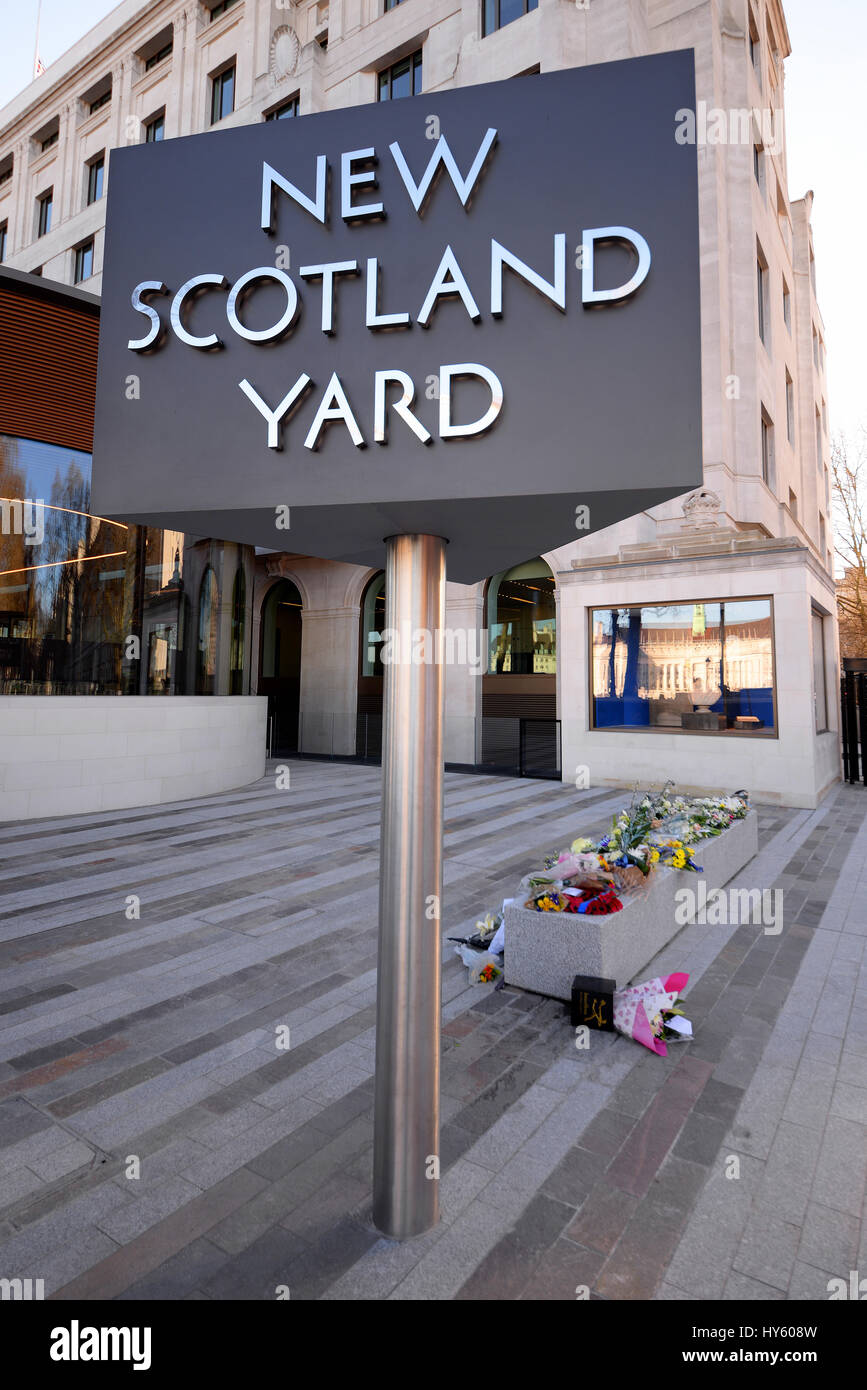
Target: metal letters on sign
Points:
x,y
473,313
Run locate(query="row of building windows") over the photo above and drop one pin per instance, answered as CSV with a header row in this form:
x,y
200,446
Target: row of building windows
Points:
x,y
82,256
400,79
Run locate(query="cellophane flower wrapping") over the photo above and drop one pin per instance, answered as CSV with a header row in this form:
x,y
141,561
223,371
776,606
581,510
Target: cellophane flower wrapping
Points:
x,y
638,1006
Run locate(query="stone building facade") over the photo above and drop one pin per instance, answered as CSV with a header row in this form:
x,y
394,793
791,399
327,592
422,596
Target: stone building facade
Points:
x,y
747,559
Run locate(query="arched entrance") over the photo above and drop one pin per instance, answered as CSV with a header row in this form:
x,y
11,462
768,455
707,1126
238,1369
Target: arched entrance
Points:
x,y
280,664
369,720
520,730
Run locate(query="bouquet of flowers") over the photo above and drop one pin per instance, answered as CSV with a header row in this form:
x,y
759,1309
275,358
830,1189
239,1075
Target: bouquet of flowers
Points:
x,y
644,1011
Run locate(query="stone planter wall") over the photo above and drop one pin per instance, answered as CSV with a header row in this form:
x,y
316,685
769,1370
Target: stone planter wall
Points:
x,y
546,950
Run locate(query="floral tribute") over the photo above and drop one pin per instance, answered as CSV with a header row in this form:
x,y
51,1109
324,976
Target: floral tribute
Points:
x,y
657,829
644,1012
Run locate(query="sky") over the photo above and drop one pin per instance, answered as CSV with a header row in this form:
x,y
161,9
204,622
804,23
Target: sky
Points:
x,y
826,128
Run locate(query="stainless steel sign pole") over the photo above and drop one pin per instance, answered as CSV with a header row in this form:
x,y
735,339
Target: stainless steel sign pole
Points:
x,y
406,1137
470,316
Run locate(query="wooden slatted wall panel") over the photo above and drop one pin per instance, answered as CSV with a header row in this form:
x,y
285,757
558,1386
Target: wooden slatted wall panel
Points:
x,y
47,370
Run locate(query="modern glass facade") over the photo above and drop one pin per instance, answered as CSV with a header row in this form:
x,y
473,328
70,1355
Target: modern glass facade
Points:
x,y
90,606
522,625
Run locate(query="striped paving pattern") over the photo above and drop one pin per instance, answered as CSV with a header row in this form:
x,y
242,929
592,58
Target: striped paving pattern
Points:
x,y
159,1139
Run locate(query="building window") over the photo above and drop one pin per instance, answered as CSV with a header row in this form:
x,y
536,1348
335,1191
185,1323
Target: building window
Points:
x,y
402,79
206,647
220,8
522,623
373,623
821,354
762,296
793,503
158,57
6,170
790,409
102,100
820,687
392,5
755,48
818,439
44,204
759,167
239,614
155,129
767,449
496,14
280,113
813,271
815,349
222,94
4,232
705,666
822,540
83,262
787,306
95,179
49,140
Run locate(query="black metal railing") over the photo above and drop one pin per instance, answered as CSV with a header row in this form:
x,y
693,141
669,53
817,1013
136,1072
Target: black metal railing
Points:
x,y
853,723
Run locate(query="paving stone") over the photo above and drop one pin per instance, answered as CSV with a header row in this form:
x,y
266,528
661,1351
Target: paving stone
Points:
x,y
180,1277
842,1166
110,1276
193,992
829,1240
601,1223
701,1138
568,1273
168,1195
575,1175
606,1134
741,1287
261,1270
809,1283
648,1143
503,1273
767,1250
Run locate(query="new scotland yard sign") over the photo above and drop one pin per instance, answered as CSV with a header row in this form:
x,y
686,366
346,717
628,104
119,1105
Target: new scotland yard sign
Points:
x,y
473,313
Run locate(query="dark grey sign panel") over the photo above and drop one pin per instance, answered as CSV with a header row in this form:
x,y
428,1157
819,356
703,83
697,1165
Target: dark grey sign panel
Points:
x,y
473,313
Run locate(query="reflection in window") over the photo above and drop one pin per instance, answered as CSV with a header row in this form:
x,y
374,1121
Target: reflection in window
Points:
x,y
522,625
402,79
497,13
820,691
239,608
64,576
701,666
163,617
373,623
206,649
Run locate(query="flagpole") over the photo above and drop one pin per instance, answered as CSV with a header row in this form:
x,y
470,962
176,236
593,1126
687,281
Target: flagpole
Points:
x,y
36,49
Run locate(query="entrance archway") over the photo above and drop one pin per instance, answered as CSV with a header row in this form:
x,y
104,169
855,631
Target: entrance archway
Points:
x,y
280,664
520,729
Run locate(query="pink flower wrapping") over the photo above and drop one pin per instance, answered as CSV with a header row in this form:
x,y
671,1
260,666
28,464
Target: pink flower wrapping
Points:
x,y
636,1007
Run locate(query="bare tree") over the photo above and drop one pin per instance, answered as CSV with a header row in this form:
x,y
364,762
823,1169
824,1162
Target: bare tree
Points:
x,y
849,470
